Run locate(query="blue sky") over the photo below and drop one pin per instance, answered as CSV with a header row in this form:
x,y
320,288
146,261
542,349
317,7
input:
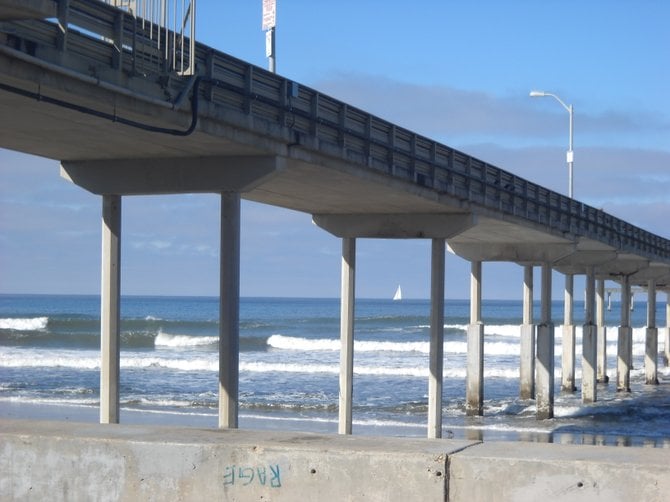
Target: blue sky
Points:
x,y
458,72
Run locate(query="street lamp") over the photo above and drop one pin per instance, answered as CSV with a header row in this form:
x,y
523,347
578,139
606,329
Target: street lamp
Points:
x,y
570,154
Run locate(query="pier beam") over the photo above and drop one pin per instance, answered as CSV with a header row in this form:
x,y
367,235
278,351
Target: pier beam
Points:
x,y
229,311
475,369
347,334
527,348
589,344
568,343
544,366
651,340
110,300
625,339
436,356
602,332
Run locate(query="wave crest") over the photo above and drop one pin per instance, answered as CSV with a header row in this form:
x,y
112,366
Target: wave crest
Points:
x,y
25,324
168,340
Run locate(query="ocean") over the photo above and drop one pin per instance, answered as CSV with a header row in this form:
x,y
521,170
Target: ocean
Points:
x,y
289,367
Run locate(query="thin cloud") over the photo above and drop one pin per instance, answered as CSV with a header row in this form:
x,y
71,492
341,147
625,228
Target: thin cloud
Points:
x,y
447,112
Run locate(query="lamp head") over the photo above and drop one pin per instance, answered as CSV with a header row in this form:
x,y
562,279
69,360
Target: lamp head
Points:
x,y
537,94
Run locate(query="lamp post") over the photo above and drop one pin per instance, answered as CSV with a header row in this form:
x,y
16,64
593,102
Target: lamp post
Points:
x,y
570,154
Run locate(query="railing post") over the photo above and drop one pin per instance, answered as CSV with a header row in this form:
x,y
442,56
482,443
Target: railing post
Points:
x,y
63,15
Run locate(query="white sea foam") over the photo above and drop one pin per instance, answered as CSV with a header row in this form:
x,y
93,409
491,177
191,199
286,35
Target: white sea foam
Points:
x,y
330,344
168,340
54,359
24,324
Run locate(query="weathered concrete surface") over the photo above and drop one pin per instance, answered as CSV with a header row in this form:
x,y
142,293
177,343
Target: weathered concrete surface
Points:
x,y
552,472
76,461
68,461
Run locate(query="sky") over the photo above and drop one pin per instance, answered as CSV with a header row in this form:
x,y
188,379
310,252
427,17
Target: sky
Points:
x,y
458,72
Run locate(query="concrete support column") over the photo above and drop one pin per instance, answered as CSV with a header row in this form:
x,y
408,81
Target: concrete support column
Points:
x,y
527,349
651,340
602,332
475,371
625,339
589,344
666,344
544,365
110,300
436,355
568,358
348,299
229,311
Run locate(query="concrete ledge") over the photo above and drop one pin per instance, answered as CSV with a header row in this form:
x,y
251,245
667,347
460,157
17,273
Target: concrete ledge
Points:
x,y
75,461
553,472
68,461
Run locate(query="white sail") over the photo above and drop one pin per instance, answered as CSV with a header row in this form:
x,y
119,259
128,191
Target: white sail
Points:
x,y
398,294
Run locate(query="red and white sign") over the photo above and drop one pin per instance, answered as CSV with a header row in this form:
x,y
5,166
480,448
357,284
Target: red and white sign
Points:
x,y
269,14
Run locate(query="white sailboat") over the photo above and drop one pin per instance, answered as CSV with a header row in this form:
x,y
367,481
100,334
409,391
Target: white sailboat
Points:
x,y
398,294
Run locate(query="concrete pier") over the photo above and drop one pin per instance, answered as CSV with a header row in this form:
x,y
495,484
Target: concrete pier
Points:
x,y
347,300
544,366
651,339
666,344
602,332
475,369
229,322
589,344
625,339
527,348
436,355
568,342
110,301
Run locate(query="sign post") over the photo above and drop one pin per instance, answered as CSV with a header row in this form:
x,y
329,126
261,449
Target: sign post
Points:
x,y
269,23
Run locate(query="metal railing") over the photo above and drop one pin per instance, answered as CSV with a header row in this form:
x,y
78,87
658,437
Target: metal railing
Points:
x,y
306,118
168,28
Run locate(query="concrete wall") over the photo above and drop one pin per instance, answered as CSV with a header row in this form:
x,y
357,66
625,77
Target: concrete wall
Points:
x,y
67,461
552,472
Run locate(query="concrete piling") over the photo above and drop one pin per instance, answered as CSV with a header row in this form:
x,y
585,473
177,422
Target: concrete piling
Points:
x,y
544,366
589,344
436,350
625,341
568,339
347,334
110,301
229,312
602,332
527,348
651,339
475,365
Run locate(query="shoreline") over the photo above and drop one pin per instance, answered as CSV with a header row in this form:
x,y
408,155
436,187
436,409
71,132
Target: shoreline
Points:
x,y
461,428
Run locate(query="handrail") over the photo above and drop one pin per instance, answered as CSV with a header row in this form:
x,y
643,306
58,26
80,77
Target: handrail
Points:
x,y
316,121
